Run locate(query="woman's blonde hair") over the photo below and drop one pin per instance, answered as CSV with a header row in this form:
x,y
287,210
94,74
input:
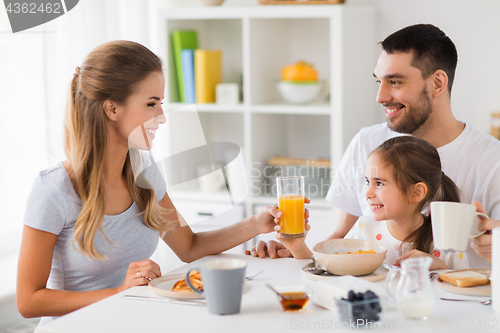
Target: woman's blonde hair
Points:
x,y
112,72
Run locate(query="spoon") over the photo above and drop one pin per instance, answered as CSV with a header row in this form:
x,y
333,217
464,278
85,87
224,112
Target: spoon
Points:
x,y
488,302
316,269
277,293
387,266
251,277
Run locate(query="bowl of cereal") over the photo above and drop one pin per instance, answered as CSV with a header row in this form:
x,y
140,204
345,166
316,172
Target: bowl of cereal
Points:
x,y
349,256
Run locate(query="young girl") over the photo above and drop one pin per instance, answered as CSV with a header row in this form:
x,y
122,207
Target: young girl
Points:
x,y
89,227
403,175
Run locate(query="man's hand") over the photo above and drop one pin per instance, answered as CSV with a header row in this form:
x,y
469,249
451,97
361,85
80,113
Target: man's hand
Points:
x,y
272,248
482,244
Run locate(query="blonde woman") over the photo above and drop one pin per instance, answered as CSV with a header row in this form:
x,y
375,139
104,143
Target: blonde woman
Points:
x,y
89,228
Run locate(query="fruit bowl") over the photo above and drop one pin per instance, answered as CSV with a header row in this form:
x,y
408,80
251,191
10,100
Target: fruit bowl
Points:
x,y
332,256
299,92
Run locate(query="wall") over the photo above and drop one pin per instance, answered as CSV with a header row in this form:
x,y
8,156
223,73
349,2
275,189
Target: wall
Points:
x,y
474,27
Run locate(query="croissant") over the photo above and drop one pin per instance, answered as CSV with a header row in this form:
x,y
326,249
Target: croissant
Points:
x,y
194,277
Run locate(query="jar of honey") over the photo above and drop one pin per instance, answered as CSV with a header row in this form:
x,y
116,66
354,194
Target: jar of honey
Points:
x,y
495,125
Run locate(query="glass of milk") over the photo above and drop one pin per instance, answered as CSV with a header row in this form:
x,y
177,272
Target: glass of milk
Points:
x,y
411,287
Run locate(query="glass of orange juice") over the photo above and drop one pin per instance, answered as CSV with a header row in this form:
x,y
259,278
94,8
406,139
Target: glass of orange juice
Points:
x,y
291,204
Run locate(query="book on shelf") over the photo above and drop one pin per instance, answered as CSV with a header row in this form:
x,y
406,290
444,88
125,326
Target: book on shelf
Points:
x,y
182,39
207,74
187,60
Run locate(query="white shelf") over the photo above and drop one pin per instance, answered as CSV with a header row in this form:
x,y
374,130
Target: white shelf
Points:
x,y
256,42
311,109
209,107
197,195
268,12
276,108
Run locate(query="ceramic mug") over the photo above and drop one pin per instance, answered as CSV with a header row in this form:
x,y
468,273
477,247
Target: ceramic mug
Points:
x,y
452,223
223,281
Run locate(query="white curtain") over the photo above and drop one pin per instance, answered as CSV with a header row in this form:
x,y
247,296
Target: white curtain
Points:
x,y
69,38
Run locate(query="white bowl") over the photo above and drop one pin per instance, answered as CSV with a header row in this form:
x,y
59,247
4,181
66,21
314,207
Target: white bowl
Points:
x,y
348,264
299,93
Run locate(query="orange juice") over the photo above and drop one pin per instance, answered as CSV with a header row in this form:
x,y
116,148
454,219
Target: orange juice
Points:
x,y
292,221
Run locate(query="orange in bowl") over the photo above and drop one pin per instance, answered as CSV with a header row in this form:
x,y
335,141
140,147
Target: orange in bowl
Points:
x,y
299,72
332,255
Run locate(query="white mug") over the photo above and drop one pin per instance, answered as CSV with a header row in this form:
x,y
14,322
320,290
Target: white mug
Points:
x,y
452,223
495,269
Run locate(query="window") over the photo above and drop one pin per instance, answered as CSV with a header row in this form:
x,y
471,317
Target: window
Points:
x,y
23,140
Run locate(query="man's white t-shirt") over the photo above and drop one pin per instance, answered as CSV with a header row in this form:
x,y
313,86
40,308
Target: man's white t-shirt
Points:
x,y
376,231
472,161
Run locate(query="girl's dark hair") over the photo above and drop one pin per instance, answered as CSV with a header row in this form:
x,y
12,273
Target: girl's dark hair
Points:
x,y
413,161
431,48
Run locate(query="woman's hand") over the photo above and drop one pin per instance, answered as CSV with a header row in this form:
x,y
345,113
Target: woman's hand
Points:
x,y
139,273
270,216
272,248
436,262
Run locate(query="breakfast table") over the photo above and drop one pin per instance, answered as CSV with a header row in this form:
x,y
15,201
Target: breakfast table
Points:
x,y
260,309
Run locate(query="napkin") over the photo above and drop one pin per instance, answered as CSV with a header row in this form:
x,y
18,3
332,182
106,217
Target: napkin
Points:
x,y
327,291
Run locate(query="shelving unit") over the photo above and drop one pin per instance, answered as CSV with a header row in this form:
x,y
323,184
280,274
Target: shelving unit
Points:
x,y
257,41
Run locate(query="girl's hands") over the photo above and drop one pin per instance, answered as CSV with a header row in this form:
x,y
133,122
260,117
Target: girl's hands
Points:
x,y
297,246
436,262
273,248
139,273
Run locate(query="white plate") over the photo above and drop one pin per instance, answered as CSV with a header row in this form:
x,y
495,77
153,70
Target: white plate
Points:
x,y
163,287
378,275
471,291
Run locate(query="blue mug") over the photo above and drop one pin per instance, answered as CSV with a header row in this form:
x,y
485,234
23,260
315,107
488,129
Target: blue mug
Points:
x,y
223,281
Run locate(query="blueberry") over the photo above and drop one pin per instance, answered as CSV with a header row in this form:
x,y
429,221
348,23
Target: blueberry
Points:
x,y
351,295
370,295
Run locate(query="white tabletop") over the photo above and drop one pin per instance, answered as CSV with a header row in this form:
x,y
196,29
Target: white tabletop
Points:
x,y
260,310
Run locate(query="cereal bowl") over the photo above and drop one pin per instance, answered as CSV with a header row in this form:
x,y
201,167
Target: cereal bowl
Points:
x,y
332,255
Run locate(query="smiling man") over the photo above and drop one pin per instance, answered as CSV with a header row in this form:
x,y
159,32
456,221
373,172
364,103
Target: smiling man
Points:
x,y
415,73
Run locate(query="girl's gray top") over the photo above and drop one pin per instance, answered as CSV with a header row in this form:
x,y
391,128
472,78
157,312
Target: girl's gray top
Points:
x,y
53,206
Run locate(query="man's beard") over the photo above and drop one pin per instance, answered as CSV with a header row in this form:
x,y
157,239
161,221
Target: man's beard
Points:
x,y
411,121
